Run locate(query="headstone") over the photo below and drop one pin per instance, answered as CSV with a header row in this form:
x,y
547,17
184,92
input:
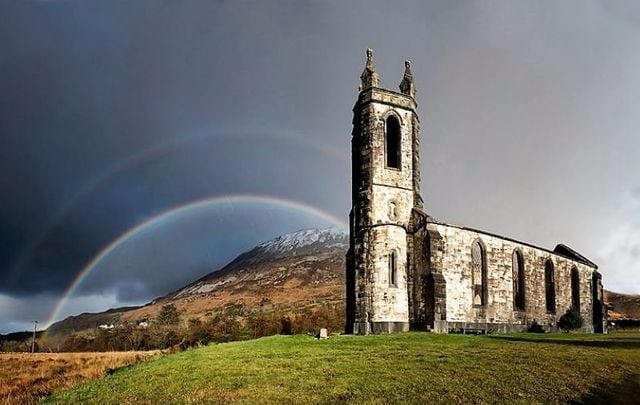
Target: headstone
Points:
x,y
323,333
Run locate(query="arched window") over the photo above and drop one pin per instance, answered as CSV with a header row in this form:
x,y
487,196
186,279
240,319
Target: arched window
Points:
x,y
518,280
393,269
549,286
575,289
392,142
478,274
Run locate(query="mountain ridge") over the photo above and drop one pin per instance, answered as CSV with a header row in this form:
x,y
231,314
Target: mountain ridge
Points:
x,y
297,269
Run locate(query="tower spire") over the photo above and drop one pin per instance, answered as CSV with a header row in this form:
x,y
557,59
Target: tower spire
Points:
x,y
407,86
369,77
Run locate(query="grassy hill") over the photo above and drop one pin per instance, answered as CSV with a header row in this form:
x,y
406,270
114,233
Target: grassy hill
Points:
x,y
416,367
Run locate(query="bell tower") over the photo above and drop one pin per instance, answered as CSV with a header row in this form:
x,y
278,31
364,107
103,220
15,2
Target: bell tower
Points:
x,y
385,181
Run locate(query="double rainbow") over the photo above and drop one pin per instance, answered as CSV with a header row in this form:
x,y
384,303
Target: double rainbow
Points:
x,y
179,211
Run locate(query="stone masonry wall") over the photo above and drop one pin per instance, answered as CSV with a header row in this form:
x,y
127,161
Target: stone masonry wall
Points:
x,y
456,268
389,303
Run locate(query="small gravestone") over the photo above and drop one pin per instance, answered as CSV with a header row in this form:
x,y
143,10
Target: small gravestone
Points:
x,y
323,333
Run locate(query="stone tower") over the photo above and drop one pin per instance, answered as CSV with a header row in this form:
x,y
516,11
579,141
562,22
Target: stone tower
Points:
x,y
385,188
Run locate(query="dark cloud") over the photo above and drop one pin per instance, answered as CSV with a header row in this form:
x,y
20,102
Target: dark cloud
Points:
x,y
131,292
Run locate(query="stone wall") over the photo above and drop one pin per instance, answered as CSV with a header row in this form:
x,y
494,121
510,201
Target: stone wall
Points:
x,y
389,301
453,261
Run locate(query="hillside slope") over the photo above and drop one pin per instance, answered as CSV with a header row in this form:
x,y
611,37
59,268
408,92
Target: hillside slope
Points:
x,y
622,307
296,270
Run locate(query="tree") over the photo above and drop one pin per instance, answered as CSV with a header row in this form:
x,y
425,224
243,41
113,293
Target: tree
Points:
x,y
169,338
168,315
571,320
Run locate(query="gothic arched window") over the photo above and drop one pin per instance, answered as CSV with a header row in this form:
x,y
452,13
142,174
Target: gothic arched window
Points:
x,y
518,280
478,274
392,142
393,269
549,286
575,289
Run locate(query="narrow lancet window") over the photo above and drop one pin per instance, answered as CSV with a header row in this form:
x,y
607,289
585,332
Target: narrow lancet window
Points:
x,y
518,280
393,269
478,274
392,142
575,289
549,286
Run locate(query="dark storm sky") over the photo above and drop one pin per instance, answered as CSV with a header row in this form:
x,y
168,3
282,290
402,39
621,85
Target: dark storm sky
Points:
x,y
112,113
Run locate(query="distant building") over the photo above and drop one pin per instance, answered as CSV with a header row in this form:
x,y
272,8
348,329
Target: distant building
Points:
x,y
407,270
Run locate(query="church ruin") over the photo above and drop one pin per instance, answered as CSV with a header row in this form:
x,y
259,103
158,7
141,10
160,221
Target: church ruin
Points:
x,y
407,270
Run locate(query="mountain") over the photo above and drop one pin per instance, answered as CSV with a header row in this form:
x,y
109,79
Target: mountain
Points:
x,y
295,270
88,320
623,309
19,336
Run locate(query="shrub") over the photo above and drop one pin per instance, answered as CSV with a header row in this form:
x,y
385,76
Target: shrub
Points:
x,y
169,338
535,328
571,320
285,326
197,333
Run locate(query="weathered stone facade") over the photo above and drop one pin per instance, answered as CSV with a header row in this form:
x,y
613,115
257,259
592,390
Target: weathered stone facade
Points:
x,y
406,270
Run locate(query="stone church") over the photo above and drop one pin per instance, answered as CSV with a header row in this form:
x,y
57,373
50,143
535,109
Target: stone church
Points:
x,y
407,270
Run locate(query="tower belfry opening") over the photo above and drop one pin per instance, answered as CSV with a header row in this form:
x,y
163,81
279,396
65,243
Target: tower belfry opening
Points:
x,y
392,142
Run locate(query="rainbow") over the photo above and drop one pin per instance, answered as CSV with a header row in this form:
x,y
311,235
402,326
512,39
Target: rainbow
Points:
x,y
177,212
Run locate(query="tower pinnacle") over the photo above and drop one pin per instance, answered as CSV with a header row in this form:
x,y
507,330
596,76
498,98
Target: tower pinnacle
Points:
x,y
369,77
407,86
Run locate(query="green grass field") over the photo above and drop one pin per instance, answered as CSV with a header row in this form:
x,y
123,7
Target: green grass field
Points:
x,y
411,367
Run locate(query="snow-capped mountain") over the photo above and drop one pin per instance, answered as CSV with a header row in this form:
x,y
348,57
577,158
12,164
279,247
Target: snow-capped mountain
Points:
x,y
320,239
310,245
295,270
307,241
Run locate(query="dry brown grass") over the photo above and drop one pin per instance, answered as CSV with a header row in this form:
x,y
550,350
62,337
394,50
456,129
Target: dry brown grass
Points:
x,y
256,284
26,377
